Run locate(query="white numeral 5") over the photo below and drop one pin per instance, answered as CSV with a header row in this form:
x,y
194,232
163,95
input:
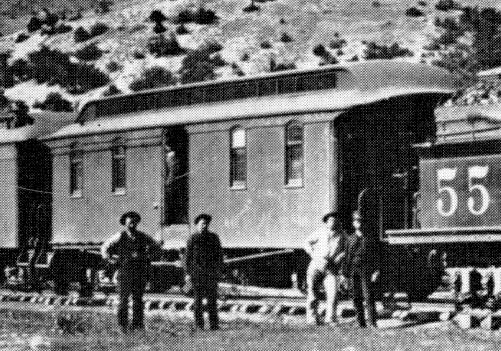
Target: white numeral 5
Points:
x,y
446,174
478,172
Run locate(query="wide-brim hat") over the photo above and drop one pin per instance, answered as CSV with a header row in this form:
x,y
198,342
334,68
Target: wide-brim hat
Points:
x,y
130,214
201,216
329,214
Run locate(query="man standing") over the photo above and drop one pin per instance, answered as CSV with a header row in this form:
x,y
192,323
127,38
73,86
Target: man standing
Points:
x,y
325,248
359,268
133,248
204,263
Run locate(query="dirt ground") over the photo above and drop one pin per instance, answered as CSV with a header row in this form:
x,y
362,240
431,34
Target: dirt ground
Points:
x,y
89,330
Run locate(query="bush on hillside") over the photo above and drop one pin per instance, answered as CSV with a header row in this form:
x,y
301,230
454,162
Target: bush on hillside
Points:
x,y
284,66
159,46
138,55
154,77
54,67
113,66
374,51
54,102
265,44
446,5
200,16
89,53
34,24
159,28
81,35
199,65
22,37
251,8
286,38
181,30
98,29
414,12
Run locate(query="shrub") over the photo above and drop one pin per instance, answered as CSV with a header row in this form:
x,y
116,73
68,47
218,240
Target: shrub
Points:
x,y
181,29
414,12
98,29
320,50
286,38
157,16
54,67
274,67
199,65
139,55
265,45
374,51
22,37
89,53
34,24
112,90
446,5
61,29
282,21
54,102
161,46
153,77
76,16
245,57
20,70
251,8
200,16
337,43
113,66
103,6
376,4
159,28
422,3
81,35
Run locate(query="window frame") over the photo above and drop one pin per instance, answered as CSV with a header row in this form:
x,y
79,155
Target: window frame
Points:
x,y
290,145
234,183
118,157
76,158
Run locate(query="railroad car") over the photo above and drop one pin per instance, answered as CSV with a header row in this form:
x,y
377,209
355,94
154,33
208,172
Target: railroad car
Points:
x,y
267,156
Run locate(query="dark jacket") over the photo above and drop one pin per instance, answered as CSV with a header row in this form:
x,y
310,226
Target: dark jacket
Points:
x,y
360,255
133,252
204,257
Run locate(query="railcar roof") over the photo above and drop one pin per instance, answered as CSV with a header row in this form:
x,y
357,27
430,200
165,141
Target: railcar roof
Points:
x,y
44,123
368,82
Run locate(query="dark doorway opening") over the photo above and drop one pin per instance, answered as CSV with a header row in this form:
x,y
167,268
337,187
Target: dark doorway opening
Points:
x,y
176,173
378,165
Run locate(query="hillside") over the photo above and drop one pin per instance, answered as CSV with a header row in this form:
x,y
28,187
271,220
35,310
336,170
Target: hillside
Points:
x,y
282,34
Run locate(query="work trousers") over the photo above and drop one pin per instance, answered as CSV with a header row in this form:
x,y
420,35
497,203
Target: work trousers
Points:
x,y
314,280
207,290
131,285
362,290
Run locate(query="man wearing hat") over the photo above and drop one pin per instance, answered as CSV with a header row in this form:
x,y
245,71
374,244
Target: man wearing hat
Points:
x,y
204,264
132,248
326,250
359,268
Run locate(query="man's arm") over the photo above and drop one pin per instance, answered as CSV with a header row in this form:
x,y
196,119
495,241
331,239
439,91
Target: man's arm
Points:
x,y
308,244
108,244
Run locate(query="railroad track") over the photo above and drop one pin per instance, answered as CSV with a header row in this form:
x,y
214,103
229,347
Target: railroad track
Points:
x,y
288,307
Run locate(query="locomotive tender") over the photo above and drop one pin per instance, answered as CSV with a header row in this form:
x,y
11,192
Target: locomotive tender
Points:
x,y
266,156
460,195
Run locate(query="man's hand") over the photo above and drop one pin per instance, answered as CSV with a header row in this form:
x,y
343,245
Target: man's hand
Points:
x,y
374,276
339,257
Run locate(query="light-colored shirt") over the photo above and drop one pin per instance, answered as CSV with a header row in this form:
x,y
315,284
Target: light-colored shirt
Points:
x,y
321,245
